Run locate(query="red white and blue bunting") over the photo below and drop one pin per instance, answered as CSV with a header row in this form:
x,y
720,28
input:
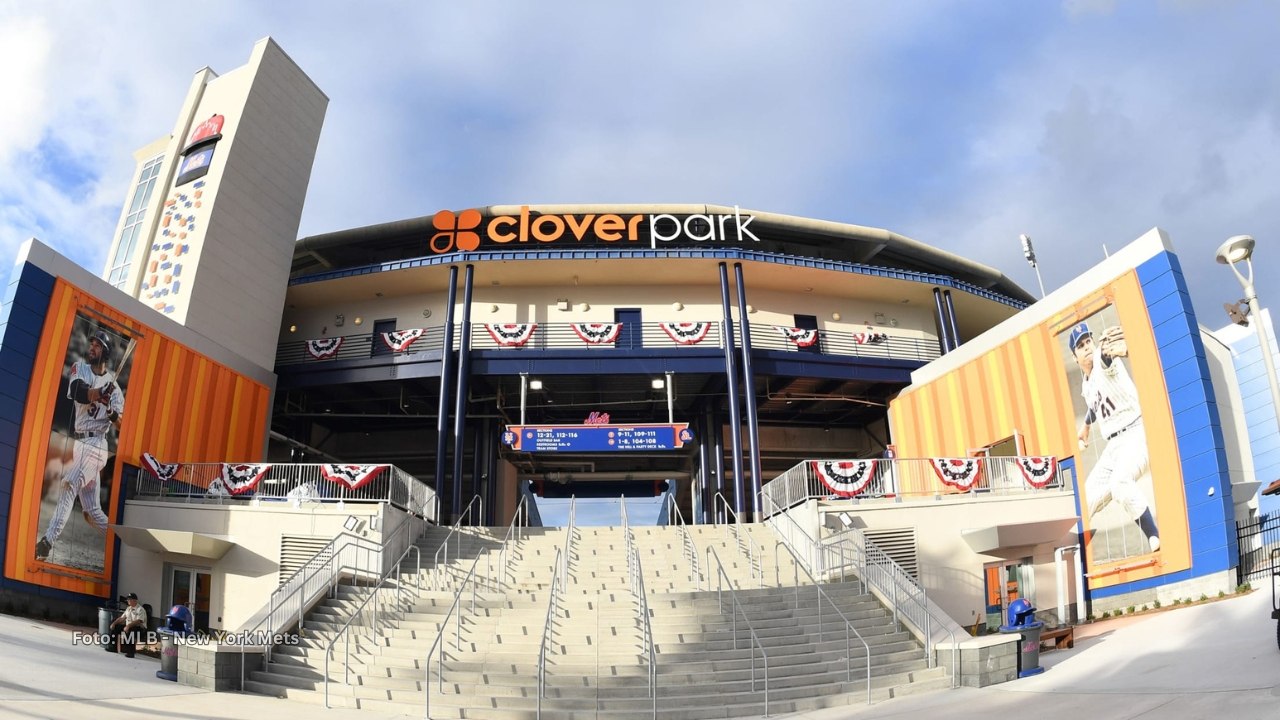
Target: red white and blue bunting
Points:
x,y
400,340
1039,472
239,479
686,333
959,473
511,335
162,471
324,347
845,478
799,337
351,476
597,333
869,338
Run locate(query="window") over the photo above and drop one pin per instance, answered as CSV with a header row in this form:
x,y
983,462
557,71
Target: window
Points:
x,y
135,213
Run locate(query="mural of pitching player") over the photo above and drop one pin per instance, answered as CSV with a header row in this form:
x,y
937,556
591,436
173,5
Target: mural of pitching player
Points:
x,y
1113,413
96,404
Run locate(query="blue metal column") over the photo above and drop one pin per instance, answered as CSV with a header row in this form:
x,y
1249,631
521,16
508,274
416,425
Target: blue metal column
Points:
x,y
940,315
749,381
705,481
951,319
716,432
446,370
731,369
460,401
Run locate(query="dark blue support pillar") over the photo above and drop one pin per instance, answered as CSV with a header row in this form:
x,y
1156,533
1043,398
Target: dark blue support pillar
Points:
x,y
703,492
951,319
460,401
446,380
940,316
731,369
716,432
749,381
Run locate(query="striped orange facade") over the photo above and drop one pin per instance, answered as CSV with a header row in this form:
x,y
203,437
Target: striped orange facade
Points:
x,y
1021,388
179,406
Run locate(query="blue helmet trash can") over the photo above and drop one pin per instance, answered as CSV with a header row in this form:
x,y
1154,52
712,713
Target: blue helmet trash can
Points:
x,y
1022,621
178,622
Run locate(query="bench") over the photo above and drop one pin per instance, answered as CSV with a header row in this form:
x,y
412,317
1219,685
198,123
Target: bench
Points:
x,y
1059,636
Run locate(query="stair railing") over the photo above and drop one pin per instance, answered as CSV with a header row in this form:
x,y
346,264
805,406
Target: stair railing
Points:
x,y
455,612
515,531
850,631
736,606
548,626
635,574
374,596
747,546
878,569
687,547
317,577
455,532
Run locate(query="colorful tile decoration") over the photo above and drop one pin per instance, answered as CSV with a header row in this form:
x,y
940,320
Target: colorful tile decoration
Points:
x,y
175,226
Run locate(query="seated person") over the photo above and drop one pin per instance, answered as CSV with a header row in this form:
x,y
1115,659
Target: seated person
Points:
x,y
129,627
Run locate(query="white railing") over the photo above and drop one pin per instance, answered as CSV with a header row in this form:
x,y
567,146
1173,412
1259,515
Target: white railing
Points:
x,y
687,547
909,478
454,613
746,545
441,565
736,607
515,531
293,483
635,573
850,631
548,625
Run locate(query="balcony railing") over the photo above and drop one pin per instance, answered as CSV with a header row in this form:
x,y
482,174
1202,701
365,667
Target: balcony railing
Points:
x,y
517,337
911,478
206,483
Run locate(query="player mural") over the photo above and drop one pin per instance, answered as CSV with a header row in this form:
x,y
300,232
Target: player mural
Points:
x,y
1117,497
82,441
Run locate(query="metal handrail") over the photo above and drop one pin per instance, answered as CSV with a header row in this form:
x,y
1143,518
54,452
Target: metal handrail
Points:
x,y
309,570
756,560
344,631
688,546
722,580
454,612
455,531
822,595
923,620
548,626
518,520
635,573
814,564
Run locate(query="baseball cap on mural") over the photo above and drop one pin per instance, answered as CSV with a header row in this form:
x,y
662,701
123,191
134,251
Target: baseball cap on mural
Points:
x,y
1078,333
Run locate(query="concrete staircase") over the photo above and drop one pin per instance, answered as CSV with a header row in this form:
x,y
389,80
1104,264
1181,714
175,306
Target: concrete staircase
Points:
x,y
597,663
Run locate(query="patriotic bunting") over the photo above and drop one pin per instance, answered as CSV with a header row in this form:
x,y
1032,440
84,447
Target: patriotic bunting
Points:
x,y
511,335
351,476
217,489
162,472
239,479
1039,472
324,347
869,338
846,478
686,333
959,473
597,333
399,340
798,337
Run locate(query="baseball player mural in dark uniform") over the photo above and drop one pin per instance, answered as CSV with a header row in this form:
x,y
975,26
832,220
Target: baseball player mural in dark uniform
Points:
x,y
1113,420
96,405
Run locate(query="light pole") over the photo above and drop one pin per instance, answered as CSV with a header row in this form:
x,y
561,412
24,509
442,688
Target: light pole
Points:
x,y
1240,249
1030,253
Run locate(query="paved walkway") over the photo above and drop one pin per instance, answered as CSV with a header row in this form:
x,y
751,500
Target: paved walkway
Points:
x,y
1213,660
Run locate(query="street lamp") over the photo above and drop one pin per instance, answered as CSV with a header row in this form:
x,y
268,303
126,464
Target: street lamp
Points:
x,y
1029,253
1239,249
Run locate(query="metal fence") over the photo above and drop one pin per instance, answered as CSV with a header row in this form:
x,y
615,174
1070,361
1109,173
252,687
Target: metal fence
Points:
x,y
295,483
516,337
1256,541
900,478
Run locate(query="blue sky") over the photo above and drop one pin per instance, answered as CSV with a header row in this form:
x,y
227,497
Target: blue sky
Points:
x,y
960,124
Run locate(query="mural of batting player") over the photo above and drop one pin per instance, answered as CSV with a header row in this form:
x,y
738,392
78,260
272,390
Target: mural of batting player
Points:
x,y
94,402
1122,472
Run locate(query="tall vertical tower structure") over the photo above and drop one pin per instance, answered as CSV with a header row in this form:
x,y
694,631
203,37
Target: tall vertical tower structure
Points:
x,y
209,225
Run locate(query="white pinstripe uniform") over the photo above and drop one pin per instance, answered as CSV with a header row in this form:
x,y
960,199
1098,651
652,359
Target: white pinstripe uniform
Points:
x,y
90,453
1113,405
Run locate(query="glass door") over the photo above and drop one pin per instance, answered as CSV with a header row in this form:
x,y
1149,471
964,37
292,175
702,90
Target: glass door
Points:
x,y
192,587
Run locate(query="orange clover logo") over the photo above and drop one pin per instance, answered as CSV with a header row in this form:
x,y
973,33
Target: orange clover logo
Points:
x,y
455,230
